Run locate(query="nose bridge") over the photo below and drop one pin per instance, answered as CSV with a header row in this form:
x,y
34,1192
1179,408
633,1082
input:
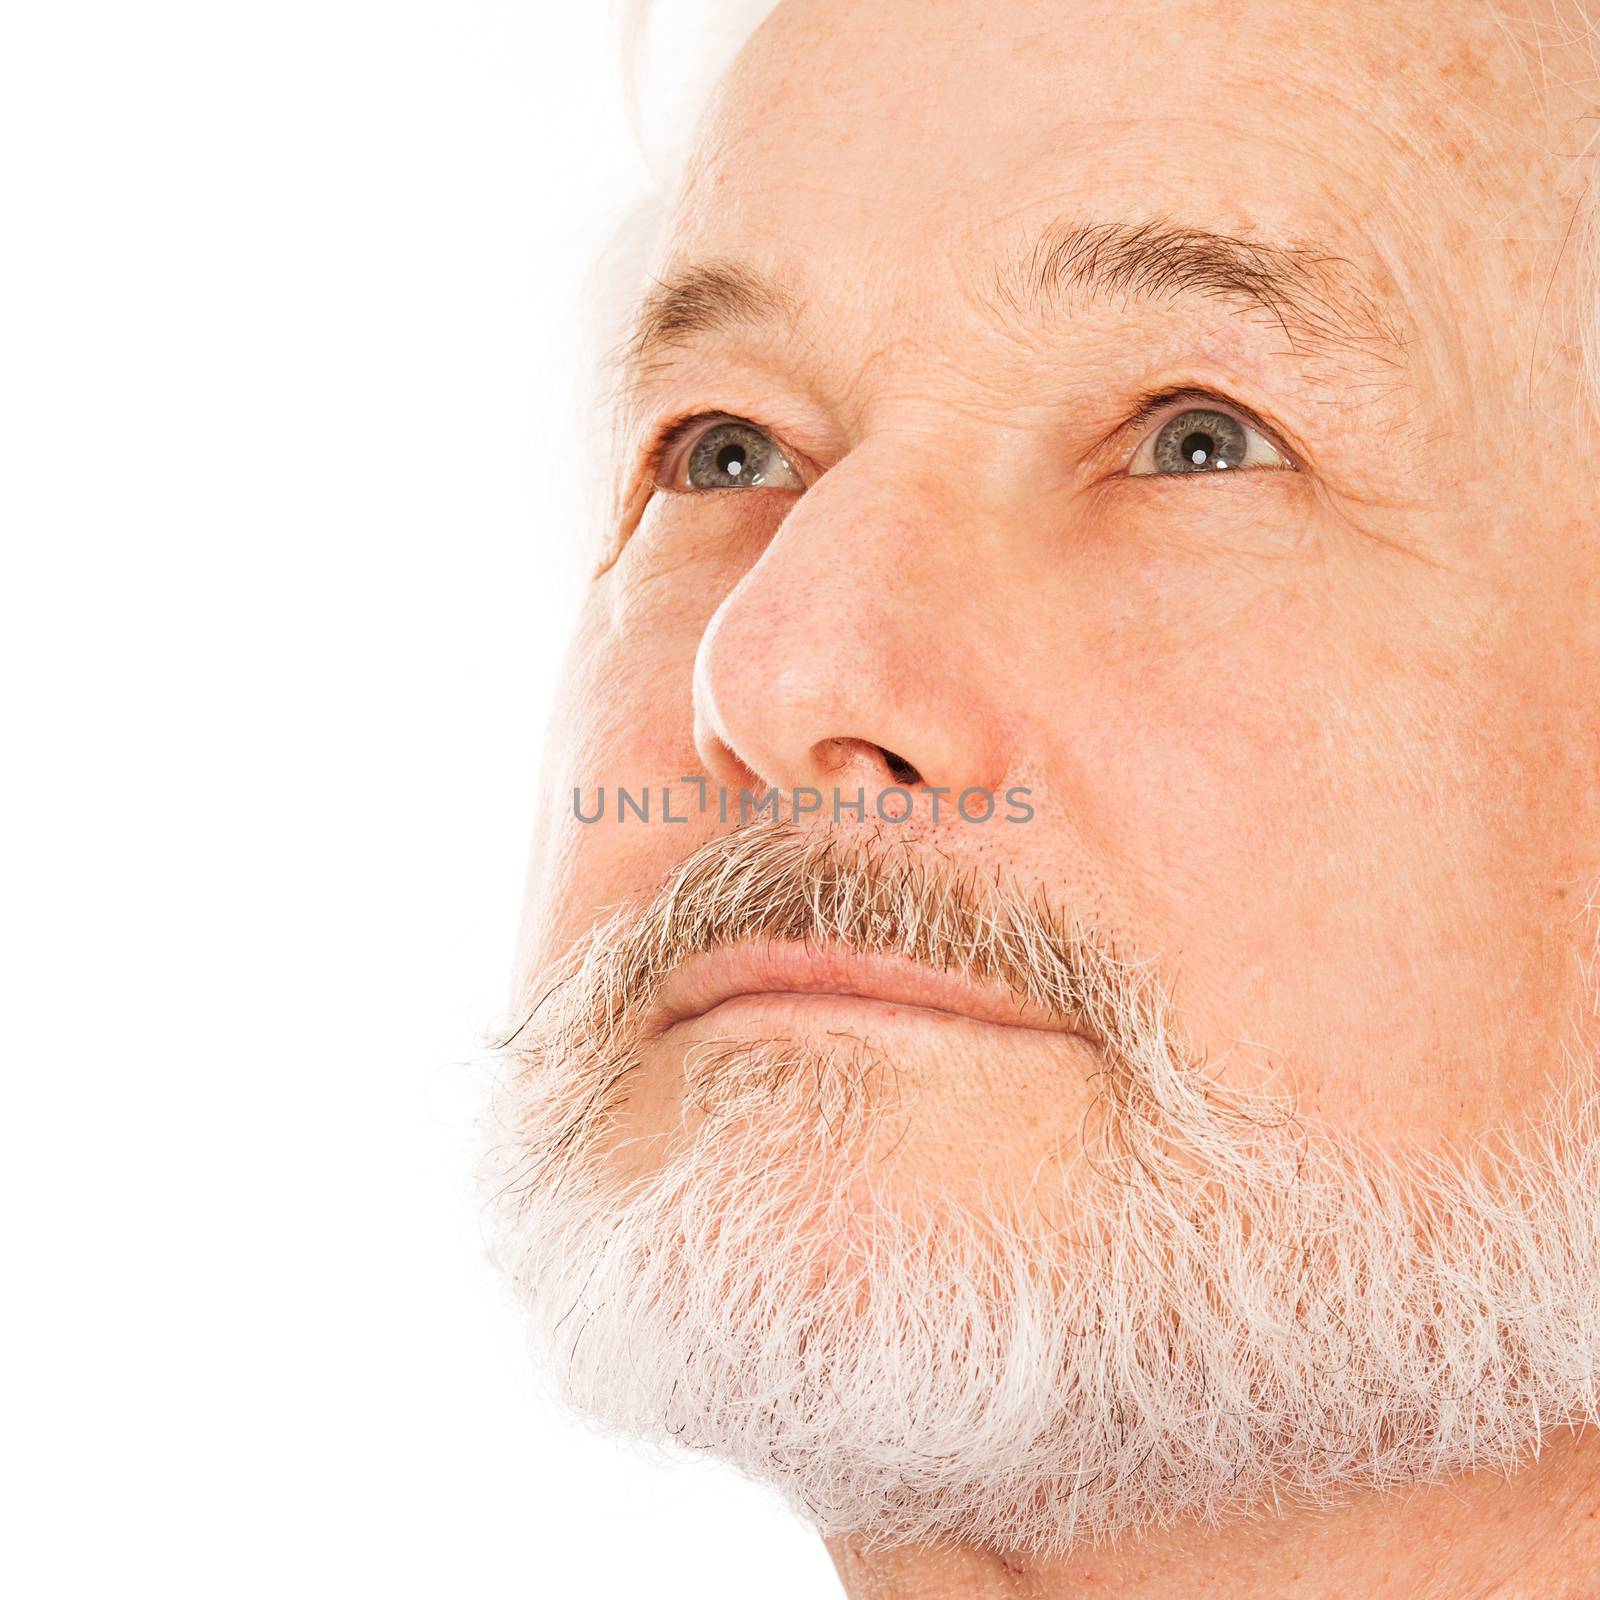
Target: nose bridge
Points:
x,y
858,639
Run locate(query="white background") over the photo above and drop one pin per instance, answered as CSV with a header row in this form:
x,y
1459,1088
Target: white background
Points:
x,y
290,466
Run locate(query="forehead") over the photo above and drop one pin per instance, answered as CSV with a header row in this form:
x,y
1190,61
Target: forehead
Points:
x,y
899,82
911,133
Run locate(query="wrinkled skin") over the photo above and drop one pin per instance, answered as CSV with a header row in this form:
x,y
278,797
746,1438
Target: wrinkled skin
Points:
x,y
1322,742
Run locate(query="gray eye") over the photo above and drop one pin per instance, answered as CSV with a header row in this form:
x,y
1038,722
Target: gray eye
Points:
x,y
735,455
1202,440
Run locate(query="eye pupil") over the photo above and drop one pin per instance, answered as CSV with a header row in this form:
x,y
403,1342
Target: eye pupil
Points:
x,y
730,459
1198,447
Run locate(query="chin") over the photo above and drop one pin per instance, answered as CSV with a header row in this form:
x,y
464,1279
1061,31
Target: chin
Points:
x,y
1232,1311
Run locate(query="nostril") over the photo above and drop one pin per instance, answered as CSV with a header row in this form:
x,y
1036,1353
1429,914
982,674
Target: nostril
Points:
x,y
900,769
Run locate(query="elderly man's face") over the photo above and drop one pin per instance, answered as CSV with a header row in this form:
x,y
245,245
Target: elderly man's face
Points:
x,y
1170,411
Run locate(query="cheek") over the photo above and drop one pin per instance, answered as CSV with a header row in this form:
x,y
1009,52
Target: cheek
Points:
x,y
616,726
1311,792
1205,765
623,717
1203,708
625,704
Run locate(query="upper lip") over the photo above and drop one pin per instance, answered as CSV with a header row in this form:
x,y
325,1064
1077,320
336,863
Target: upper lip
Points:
x,y
771,967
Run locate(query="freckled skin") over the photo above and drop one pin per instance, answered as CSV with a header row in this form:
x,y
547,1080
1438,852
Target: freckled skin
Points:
x,y
1324,744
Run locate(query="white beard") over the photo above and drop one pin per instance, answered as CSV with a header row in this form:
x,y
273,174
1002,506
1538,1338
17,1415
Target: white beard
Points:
x,y
1243,1309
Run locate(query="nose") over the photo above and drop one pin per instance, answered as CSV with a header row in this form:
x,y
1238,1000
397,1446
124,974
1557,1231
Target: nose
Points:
x,y
863,649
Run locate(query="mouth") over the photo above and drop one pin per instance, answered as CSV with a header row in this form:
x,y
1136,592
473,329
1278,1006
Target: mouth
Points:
x,y
768,976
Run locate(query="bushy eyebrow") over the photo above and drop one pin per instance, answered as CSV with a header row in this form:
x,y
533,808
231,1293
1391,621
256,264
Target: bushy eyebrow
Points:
x,y
694,300
1318,298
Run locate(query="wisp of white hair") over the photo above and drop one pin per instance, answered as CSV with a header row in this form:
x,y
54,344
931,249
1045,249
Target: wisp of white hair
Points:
x,y
1243,1307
